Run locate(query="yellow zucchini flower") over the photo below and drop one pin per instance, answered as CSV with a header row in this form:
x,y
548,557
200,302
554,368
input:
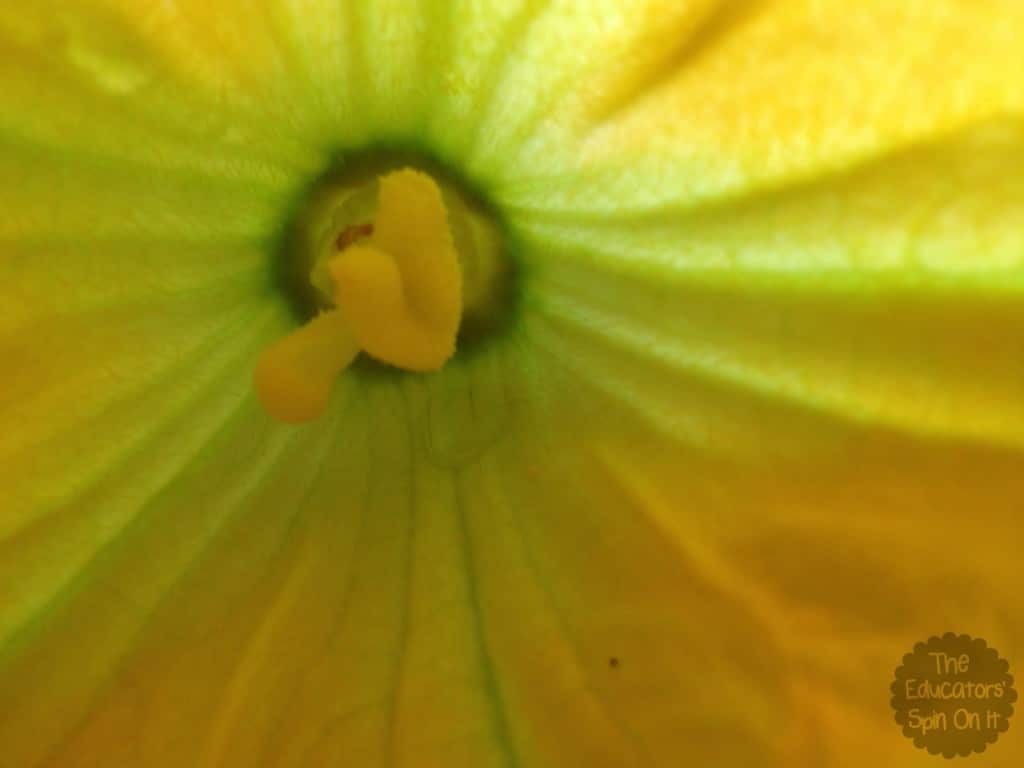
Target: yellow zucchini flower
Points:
x,y
504,383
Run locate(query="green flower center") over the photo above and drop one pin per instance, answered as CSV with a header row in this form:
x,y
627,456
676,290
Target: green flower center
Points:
x,y
396,264
340,211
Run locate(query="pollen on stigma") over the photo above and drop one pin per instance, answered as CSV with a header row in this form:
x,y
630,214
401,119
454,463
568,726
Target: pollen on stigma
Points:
x,y
392,285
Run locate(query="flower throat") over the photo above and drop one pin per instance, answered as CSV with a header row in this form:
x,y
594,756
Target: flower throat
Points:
x,y
395,266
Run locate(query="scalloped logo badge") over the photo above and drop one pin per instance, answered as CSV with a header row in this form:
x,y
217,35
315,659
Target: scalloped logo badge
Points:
x,y
953,695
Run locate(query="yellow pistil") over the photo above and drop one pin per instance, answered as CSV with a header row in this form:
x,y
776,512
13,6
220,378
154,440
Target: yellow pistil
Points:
x,y
294,375
397,289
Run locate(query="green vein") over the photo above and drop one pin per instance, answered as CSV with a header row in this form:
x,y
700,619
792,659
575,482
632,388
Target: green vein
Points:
x,y
256,649
145,437
714,369
187,568
407,587
498,61
492,685
544,585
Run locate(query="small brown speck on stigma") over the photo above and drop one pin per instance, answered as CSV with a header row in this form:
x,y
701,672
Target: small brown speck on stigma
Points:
x,y
353,234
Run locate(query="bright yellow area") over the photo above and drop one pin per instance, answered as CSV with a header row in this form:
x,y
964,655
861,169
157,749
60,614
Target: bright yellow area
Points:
x,y
294,375
757,95
402,291
399,299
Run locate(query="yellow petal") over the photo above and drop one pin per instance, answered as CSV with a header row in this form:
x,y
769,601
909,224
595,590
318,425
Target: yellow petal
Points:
x,y
718,100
